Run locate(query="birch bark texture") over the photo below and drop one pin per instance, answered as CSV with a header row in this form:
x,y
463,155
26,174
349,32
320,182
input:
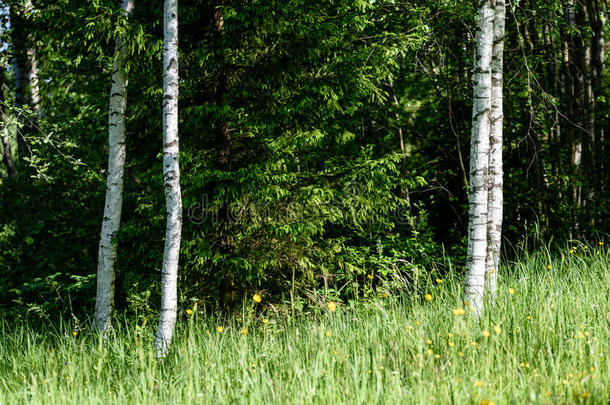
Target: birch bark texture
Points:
x,y
25,68
171,179
495,196
479,159
107,252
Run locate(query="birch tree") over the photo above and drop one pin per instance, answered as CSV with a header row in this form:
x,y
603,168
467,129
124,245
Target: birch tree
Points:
x,y
171,179
107,251
479,158
495,197
25,68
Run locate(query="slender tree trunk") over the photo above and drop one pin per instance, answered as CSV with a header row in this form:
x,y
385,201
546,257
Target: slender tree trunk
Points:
x,y
495,197
171,179
7,155
224,243
107,252
479,159
25,70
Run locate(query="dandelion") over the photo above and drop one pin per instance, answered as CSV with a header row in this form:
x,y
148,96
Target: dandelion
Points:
x,y
478,383
220,329
580,335
450,344
428,297
429,341
438,281
437,356
600,243
511,291
459,311
565,382
497,329
410,327
265,321
370,276
257,298
549,267
332,306
529,318
430,352
450,334
244,331
75,333
189,311
485,333
461,354
328,333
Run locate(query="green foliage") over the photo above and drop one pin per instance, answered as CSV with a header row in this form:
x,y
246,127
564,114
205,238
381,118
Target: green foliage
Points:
x,y
349,126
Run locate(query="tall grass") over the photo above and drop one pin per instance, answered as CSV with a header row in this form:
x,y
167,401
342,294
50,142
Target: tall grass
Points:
x,y
545,339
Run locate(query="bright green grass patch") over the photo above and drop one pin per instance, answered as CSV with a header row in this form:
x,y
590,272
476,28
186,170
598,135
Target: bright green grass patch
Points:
x,y
547,342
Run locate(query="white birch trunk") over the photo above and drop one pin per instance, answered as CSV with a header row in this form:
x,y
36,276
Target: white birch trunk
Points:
x,y
107,253
32,72
479,159
495,199
171,179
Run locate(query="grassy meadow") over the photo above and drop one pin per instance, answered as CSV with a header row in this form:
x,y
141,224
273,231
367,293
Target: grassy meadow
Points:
x,y
545,339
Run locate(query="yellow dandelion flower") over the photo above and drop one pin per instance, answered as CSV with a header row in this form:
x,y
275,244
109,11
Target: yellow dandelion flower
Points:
x,y
219,329
580,335
437,356
451,344
459,311
438,281
370,276
244,331
511,291
430,352
257,298
75,333
485,333
565,382
478,383
450,334
586,395
189,311
497,329
529,318
461,354
332,306
600,243
410,327
428,297
265,321
474,343
328,333
549,267
429,341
